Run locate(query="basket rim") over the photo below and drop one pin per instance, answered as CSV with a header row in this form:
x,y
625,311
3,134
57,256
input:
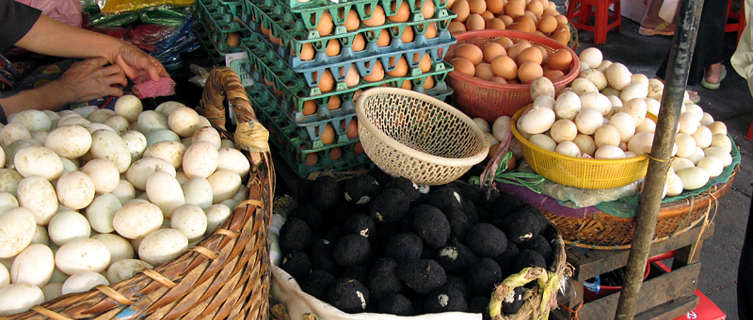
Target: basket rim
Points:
x,y
528,144
569,77
365,123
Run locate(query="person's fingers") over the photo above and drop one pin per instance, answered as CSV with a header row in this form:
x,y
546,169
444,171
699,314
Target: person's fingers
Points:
x,y
110,70
113,91
116,79
98,61
129,71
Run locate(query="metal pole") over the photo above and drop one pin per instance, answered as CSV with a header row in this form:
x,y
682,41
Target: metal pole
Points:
x,y
680,56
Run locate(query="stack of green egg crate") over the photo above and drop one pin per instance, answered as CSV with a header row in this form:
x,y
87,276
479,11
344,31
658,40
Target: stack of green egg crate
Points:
x,y
300,80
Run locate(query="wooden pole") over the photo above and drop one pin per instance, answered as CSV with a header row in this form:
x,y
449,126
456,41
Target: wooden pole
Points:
x,y
680,57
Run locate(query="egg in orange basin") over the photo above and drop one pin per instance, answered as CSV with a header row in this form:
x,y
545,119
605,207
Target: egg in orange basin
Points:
x,y
493,50
462,9
553,75
464,66
505,67
515,8
529,71
456,27
327,135
560,60
488,15
327,82
547,24
484,71
477,6
495,6
496,24
469,51
475,22
402,14
530,54
334,103
505,42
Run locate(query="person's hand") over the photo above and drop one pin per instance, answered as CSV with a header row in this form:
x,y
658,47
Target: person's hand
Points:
x,y
90,79
138,66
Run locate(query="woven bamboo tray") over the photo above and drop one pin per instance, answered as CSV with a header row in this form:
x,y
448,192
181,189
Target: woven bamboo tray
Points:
x,y
594,229
225,276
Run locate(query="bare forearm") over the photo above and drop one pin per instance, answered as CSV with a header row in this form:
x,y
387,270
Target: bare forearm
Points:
x,y
48,96
54,38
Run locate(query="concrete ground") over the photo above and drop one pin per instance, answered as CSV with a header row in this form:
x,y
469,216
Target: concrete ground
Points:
x,y
733,104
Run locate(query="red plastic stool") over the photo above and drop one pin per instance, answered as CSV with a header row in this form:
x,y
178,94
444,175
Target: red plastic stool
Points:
x,y
738,25
749,136
579,12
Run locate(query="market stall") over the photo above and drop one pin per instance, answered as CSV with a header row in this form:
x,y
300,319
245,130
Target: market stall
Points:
x,y
368,159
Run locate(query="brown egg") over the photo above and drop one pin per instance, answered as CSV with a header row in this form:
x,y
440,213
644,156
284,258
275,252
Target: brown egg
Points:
x,y
328,134
274,40
377,17
351,21
334,103
352,78
499,80
401,68
475,22
531,54
535,7
544,52
496,24
333,48
265,31
464,66
327,82
505,42
233,39
309,107
407,85
469,51
495,6
311,159
428,83
492,50
477,6
402,14
462,9
523,23
325,25
456,27
508,20
561,20
335,153
384,38
428,9
553,75
515,8
529,71
377,73
487,15
560,60
358,148
550,12
352,131
407,36
431,31
505,67
533,16
547,24
517,48
562,36
359,43
484,71
307,52
425,63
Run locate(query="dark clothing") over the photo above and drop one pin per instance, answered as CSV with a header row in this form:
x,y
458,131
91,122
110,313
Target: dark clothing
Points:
x,y
709,44
744,275
15,21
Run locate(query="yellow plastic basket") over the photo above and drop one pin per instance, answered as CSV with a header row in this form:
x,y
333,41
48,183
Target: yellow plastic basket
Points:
x,y
579,172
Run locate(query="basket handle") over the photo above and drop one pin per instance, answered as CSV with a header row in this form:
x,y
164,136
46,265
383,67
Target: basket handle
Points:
x,y
250,134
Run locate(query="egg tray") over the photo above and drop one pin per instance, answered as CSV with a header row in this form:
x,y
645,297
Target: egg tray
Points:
x,y
339,66
303,6
266,67
290,33
233,7
294,146
216,22
275,112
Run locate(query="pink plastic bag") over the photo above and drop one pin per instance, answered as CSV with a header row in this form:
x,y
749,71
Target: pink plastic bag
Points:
x,y
66,11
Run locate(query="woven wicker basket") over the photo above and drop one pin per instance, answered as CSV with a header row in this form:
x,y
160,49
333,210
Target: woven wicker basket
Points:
x,y
225,276
594,229
412,135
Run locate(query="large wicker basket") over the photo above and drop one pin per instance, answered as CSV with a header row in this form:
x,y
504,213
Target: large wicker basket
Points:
x,y
594,229
225,276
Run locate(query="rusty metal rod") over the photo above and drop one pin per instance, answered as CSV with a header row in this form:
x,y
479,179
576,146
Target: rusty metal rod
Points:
x,y
680,57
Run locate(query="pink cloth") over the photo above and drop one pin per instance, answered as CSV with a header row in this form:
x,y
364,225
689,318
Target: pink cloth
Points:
x,y
150,89
66,11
